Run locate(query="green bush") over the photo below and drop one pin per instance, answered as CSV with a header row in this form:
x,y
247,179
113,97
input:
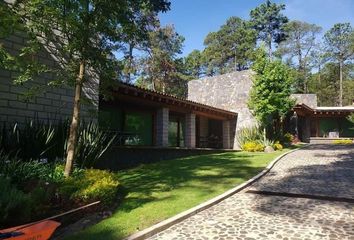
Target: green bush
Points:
x,y
15,205
343,141
37,140
249,134
288,138
277,146
91,185
253,147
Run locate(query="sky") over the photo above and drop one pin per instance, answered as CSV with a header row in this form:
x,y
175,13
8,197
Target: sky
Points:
x,y
194,19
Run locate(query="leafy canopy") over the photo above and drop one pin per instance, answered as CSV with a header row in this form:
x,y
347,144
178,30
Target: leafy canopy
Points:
x,y
269,22
270,96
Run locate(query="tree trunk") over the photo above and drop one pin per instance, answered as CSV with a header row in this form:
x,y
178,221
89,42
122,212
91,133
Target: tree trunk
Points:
x,y
340,83
72,142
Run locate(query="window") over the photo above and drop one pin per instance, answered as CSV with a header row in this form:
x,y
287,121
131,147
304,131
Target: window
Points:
x,y
176,132
138,128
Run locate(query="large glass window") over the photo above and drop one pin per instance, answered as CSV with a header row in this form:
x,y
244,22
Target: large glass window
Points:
x,y
138,128
176,132
110,118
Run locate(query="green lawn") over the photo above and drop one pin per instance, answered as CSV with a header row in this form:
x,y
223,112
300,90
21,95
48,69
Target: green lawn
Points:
x,y
158,191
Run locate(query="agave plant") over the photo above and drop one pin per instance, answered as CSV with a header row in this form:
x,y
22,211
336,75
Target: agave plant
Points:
x,y
92,144
249,134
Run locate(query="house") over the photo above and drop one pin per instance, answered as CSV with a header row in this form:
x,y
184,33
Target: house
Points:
x,y
307,120
316,124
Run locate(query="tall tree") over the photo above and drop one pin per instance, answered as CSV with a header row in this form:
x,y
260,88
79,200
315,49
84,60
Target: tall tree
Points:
x,y
338,45
270,95
300,46
194,64
83,35
268,20
159,65
230,48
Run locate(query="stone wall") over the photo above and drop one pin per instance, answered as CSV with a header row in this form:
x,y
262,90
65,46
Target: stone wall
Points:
x,y
228,91
53,104
307,99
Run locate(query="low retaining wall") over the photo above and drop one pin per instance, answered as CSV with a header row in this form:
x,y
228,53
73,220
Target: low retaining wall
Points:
x,y
119,158
319,140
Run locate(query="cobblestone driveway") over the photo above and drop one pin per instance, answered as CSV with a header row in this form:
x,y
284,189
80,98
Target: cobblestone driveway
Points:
x,y
320,170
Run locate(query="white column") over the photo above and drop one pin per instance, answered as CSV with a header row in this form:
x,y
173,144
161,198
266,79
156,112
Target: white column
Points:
x,y
162,120
190,130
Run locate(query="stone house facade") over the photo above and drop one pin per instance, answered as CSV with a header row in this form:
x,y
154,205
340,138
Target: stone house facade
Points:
x,y
229,92
53,104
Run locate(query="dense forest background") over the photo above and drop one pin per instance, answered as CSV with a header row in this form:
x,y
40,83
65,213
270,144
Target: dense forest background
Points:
x,y
321,61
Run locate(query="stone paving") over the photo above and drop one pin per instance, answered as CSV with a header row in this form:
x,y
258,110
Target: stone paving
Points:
x,y
318,170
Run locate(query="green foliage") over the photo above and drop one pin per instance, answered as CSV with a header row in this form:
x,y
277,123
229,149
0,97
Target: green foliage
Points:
x,y
253,147
33,140
37,140
351,118
194,64
343,141
249,134
14,204
277,146
270,96
92,144
160,67
268,20
91,185
287,138
338,41
326,85
300,50
230,48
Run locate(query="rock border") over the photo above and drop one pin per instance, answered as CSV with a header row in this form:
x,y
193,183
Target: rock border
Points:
x,y
163,225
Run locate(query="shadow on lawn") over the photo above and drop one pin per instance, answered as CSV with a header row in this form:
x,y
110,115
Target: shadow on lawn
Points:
x,y
202,175
194,172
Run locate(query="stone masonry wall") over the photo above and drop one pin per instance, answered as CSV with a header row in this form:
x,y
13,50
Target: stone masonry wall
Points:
x,y
228,91
53,105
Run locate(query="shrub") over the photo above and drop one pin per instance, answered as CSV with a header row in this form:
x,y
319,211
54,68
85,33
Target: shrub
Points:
x,y
14,204
36,140
249,134
277,146
92,144
288,138
343,141
253,147
91,185
22,172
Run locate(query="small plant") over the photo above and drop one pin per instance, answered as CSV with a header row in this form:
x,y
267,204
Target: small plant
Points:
x,y
266,142
288,138
343,141
249,134
253,147
277,146
90,186
14,204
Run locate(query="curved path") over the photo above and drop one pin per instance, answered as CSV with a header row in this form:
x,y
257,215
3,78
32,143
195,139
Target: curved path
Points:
x,y
309,194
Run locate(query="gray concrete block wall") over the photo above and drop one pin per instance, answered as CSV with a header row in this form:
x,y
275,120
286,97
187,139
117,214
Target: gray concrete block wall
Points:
x,y
53,104
228,91
189,138
162,121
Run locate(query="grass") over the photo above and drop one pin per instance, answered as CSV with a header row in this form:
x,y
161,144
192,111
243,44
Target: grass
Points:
x,y
155,192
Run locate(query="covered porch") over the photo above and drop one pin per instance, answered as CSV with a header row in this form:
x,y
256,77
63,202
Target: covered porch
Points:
x,y
323,124
146,118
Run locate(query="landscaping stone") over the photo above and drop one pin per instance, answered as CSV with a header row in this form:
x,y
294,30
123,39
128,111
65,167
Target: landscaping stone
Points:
x,y
268,149
320,170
